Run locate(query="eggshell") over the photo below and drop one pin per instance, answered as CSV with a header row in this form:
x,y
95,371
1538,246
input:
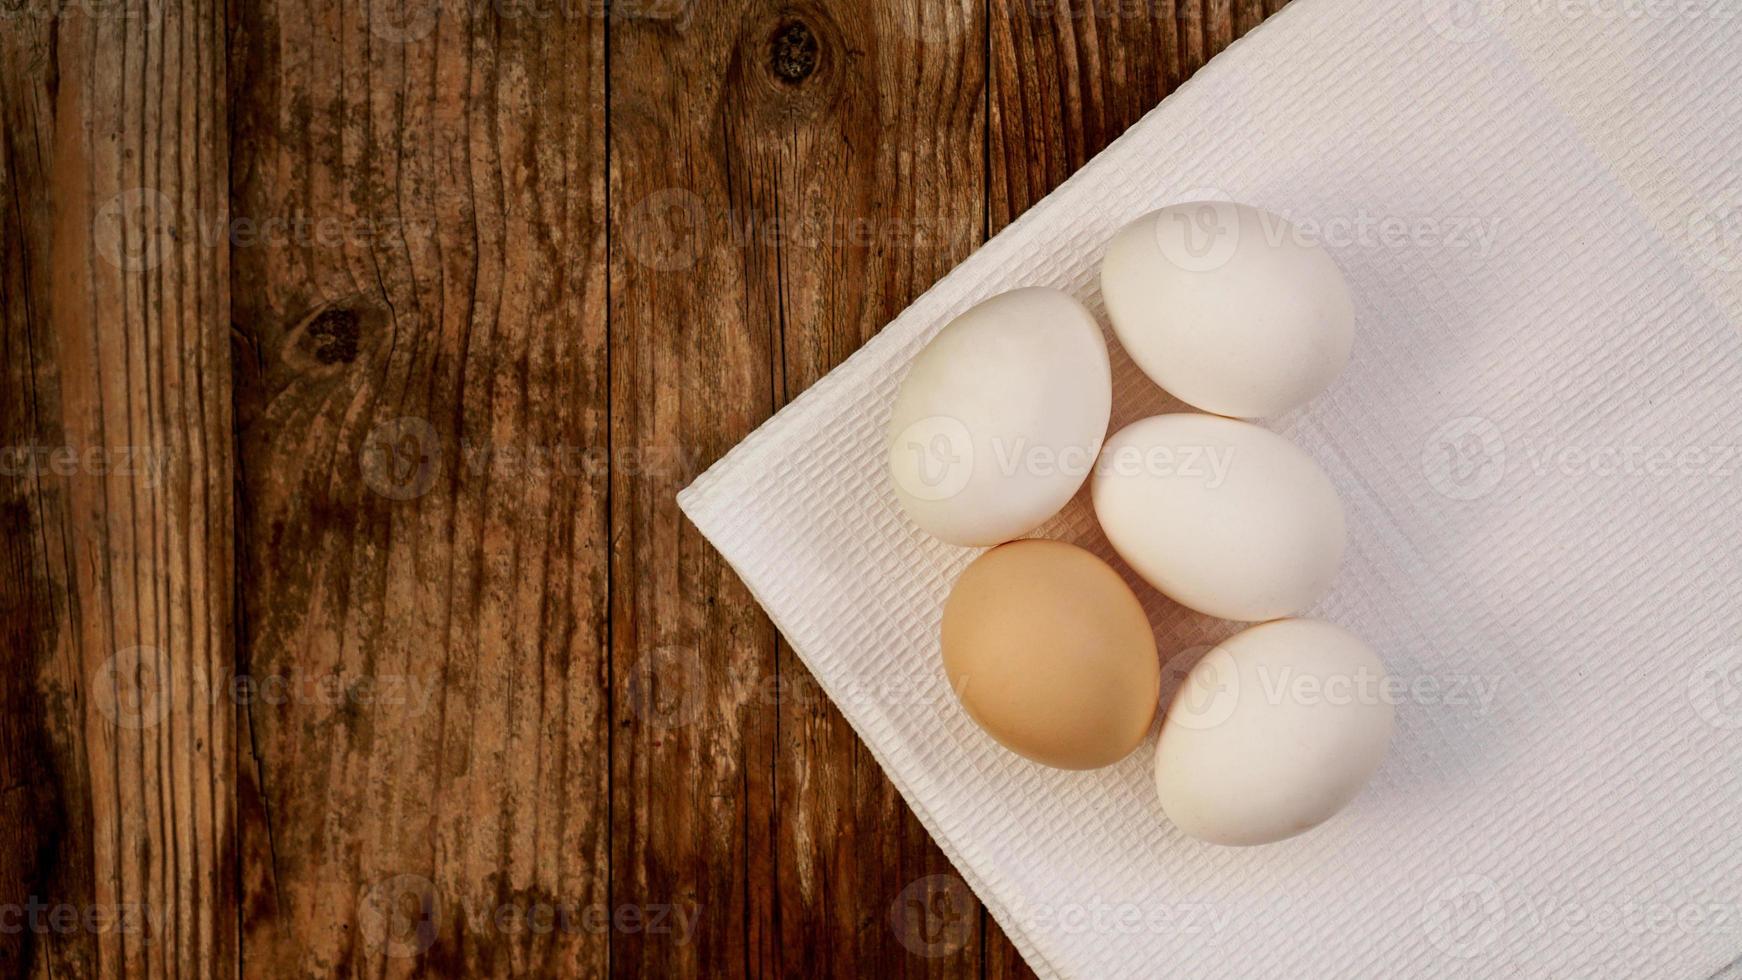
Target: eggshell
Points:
x,y
999,419
1229,308
1221,515
1050,652
1272,733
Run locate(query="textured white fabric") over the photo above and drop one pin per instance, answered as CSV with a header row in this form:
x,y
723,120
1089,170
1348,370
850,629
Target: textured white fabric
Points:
x,y
1535,442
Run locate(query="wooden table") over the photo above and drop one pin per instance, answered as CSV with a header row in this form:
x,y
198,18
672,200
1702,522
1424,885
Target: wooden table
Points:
x,y
353,353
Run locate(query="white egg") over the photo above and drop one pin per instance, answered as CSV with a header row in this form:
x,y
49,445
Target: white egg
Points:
x,y
1222,516
1001,417
1273,732
1229,308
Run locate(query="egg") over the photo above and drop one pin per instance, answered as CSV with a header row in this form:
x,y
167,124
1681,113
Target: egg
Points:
x,y
1220,515
1049,651
1272,733
1000,418
1229,308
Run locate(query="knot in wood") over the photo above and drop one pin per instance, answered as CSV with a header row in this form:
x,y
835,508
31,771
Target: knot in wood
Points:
x,y
335,334
793,53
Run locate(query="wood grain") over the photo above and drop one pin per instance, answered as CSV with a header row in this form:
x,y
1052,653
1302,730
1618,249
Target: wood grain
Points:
x,y
888,191
496,280
801,172
116,764
421,398
693,353
1069,76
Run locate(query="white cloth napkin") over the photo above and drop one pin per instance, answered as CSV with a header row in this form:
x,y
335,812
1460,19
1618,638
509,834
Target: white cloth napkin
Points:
x,y
1538,206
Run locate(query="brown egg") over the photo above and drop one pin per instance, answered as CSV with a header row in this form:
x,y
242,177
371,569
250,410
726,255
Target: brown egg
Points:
x,y
1050,653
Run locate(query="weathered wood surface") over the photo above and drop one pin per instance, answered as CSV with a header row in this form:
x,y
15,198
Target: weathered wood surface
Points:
x,y
421,375
488,284
118,837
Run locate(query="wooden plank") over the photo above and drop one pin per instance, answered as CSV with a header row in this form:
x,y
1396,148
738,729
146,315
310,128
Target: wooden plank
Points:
x,y
116,760
693,349
421,306
881,192
1067,78
800,173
